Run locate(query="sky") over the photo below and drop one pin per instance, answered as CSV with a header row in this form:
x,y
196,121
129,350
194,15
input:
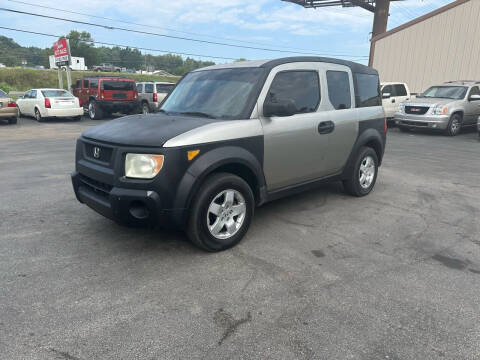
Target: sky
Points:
x,y
268,24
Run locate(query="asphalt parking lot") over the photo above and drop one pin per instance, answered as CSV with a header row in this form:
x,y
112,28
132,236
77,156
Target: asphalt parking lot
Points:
x,y
322,275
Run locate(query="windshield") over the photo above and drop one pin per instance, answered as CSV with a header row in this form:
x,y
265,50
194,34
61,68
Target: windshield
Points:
x,y
445,92
214,93
117,85
56,93
2,94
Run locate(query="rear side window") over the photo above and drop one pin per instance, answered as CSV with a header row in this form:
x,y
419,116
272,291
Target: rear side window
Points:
x,y
79,84
85,84
399,90
339,89
139,88
165,88
118,85
149,88
301,87
368,90
93,84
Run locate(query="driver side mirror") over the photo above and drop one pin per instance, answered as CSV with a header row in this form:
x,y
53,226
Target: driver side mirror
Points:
x,y
281,107
474,98
386,95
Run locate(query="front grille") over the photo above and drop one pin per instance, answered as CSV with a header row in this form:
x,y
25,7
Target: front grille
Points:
x,y
416,110
119,96
97,152
97,187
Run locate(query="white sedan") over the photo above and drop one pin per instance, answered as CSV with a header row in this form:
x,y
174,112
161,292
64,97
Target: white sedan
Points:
x,y
46,103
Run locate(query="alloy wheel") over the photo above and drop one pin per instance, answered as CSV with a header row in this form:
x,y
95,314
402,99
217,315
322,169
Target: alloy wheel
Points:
x,y
226,214
367,172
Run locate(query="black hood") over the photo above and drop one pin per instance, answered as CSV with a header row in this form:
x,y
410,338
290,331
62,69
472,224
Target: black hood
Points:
x,y
144,130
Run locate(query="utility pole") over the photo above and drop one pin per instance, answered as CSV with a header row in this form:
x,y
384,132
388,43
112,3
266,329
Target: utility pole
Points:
x,y
380,19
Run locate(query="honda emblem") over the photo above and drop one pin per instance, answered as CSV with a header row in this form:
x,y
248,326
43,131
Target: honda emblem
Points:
x,y
96,152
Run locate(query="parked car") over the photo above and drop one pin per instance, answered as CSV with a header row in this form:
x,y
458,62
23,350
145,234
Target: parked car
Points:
x,y
447,107
105,95
106,68
151,95
8,108
48,103
232,137
393,93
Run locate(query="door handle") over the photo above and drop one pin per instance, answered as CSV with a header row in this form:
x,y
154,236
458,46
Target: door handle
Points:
x,y
393,101
326,127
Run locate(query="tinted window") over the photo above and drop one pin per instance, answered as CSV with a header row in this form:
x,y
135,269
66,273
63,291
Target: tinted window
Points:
x,y
339,89
3,94
118,85
165,88
388,90
300,87
79,84
475,91
400,90
33,94
225,93
368,90
56,93
139,88
85,84
93,84
149,88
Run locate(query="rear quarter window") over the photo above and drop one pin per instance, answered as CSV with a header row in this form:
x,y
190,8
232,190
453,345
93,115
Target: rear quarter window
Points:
x,y
149,88
164,88
367,90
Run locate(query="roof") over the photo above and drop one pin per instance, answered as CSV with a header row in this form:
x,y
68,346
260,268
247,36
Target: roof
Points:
x,y
270,64
155,82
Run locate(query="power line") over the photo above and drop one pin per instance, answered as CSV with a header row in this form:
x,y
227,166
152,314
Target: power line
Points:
x,y
170,36
119,45
154,26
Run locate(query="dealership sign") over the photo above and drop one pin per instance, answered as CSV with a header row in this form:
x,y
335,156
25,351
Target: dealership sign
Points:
x,y
61,51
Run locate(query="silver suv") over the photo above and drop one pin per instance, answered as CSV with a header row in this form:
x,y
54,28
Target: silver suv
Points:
x,y
151,95
447,107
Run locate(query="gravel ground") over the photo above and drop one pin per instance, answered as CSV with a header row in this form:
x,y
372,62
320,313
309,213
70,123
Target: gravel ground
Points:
x,y
322,275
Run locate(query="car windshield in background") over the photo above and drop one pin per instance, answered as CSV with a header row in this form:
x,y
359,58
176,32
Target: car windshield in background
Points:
x,y
56,93
117,85
445,92
214,93
3,94
164,88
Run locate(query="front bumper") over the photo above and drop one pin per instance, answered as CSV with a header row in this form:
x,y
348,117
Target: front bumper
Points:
x,y
422,121
72,112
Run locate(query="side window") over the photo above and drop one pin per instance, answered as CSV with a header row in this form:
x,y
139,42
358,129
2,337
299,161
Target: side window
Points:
x,y
78,85
27,95
475,91
367,90
149,88
140,88
93,84
85,84
400,90
301,88
339,89
388,90
33,94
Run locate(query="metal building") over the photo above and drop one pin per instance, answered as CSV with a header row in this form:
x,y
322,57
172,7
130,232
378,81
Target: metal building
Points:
x,y
443,45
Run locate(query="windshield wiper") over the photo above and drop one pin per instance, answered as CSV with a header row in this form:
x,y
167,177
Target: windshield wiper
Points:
x,y
197,113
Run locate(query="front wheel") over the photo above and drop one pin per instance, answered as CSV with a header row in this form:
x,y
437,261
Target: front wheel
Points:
x,y
454,125
221,212
364,174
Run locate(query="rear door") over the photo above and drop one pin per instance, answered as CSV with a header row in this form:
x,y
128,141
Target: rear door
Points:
x,y
389,103
148,90
85,91
401,95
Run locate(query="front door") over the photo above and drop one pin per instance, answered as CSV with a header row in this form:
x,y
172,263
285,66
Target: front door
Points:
x,y
472,108
294,149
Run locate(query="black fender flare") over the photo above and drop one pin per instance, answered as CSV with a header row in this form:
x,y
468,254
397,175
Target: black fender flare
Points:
x,y
206,164
368,136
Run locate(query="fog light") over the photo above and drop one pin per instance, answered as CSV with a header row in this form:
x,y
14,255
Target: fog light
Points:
x,y
434,125
138,210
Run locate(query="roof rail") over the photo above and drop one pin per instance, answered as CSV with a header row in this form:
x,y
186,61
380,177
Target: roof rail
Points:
x,y
106,76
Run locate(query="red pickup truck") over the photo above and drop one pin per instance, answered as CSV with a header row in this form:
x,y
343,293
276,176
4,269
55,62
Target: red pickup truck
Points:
x,y
102,96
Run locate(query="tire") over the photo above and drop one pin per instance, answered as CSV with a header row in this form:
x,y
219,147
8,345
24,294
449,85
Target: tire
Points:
x,y
38,116
145,108
454,125
366,164
94,110
212,195
13,121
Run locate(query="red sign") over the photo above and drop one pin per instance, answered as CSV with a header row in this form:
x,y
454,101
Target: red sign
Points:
x,y
61,51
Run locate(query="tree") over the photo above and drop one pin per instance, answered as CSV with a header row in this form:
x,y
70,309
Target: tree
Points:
x,y
81,45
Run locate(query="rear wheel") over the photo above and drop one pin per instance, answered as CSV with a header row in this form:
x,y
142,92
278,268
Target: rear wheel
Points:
x,y
364,174
38,116
145,108
12,121
454,125
221,212
94,110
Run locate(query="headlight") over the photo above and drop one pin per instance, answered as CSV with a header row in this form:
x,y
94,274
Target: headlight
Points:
x,y
401,108
143,166
439,110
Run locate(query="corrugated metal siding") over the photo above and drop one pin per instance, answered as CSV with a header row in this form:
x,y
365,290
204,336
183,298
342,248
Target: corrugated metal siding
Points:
x,y
442,48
